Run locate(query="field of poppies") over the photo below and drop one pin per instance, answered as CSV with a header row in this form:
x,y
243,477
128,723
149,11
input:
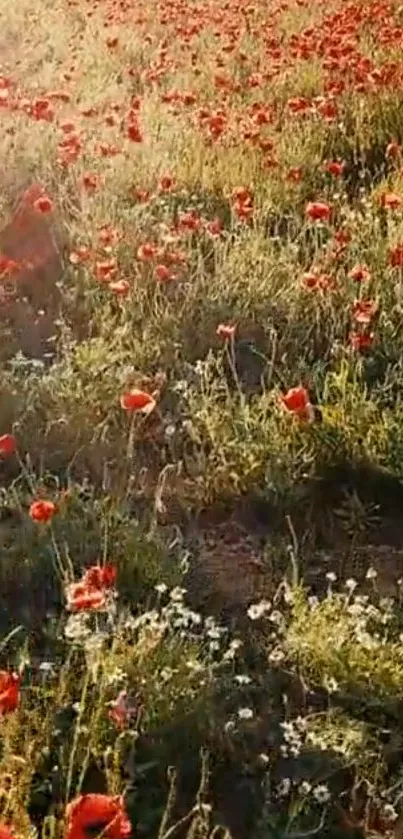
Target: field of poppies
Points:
x,y
201,419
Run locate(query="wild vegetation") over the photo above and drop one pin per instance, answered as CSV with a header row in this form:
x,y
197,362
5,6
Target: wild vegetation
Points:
x,y
201,419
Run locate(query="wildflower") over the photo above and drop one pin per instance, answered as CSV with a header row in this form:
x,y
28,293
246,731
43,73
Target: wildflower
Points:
x,y
318,211
245,713
5,832
359,274
257,610
8,445
43,205
242,679
146,252
361,340
321,793
371,574
82,598
166,183
79,255
137,400
284,787
42,511
294,175
305,787
104,271
395,256
364,310
297,402
120,287
335,167
226,331
134,132
391,201
392,150
95,814
100,576
351,584
90,181
121,711
162,273
9,691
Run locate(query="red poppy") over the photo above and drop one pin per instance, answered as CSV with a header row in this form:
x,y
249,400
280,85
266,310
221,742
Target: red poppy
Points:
x,y
146,252
294,175
318,211
364,310
137,400
166,183
335,167
82,598
361,341
297,402
43,205
395,256
162,273
97,814
104,271
5,832
392,150
134,132
90,181
42,511
81,254
391,201
121,711
359,274
100,576
9,691
226,331
120,287
8,445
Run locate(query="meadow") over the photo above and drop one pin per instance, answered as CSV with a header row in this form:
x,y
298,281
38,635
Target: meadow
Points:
x,y
201,419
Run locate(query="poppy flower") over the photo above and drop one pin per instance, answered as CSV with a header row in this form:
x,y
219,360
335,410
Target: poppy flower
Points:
x,y
318,211
5,832
335,167
294,175
146,252
8,445
361,341
43,205
364,310
395,256
120,287
9,691
96,814
42,511
104,271
120,711
391,201
226,331
82,598
166,183
134,132
137,400
297,402
162,273
81,254
100,576
393,150
359,274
